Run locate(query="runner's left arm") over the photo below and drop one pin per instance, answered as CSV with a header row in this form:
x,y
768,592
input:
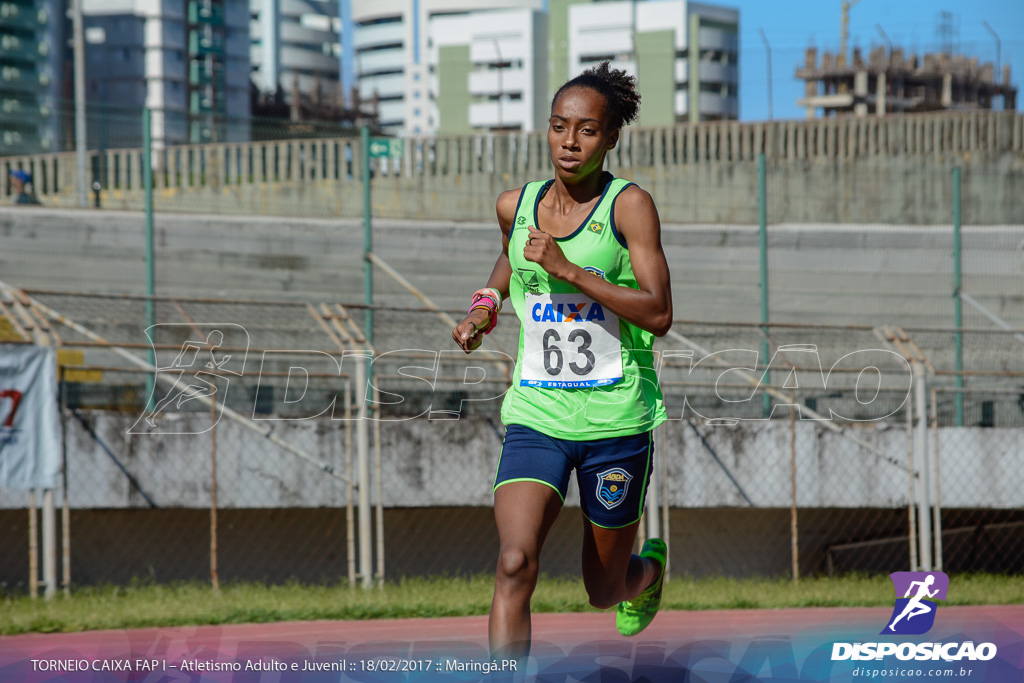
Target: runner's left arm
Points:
x,y
636,219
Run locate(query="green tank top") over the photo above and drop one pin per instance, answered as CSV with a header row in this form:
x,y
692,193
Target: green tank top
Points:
x,y
582,373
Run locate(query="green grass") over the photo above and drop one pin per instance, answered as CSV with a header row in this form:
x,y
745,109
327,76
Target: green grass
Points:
x,y
141,605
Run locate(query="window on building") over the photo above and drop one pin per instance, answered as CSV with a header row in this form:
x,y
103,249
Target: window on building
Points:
x,y
378,48
385,20
95,35
319,22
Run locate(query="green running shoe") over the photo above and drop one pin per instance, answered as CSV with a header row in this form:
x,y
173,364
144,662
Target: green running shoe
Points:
x,y
633,616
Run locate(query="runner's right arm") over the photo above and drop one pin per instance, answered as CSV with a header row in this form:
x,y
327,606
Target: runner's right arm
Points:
x,y
469,333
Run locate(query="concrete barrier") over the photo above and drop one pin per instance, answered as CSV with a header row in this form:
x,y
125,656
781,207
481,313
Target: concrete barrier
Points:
x,y
451,463
889,170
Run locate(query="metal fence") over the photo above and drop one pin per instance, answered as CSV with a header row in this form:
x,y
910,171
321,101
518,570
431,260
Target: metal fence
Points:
x,y
855,467
889,246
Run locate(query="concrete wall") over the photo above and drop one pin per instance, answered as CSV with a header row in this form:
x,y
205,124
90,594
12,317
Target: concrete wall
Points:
x,y
866,170
451,463
818,273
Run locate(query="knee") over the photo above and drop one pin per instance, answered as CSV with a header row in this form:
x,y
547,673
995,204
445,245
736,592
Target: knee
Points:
x,y
515,565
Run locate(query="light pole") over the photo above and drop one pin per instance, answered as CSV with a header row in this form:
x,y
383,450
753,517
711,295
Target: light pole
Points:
x,y
888,70
999,55
768,51
78,40
888,42
501,83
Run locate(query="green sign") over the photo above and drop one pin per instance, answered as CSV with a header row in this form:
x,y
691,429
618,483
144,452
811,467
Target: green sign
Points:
x,y
386,147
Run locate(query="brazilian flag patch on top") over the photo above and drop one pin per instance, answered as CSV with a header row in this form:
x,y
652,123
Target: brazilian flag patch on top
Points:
x,y
596,226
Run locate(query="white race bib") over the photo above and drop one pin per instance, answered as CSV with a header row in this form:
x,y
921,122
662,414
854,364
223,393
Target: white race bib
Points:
x,y
569,341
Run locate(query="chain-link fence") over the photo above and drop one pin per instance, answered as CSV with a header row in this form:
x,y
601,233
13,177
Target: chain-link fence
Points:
x,y
260,239
263,485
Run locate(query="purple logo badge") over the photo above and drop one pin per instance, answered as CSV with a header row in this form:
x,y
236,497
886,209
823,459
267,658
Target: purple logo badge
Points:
x,y
915,608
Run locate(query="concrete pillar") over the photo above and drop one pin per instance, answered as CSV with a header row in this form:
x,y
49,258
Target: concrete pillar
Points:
x,y
860,93
49,545
880,95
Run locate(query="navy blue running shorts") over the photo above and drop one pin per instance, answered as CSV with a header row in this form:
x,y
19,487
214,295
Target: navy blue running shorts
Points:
x,y
613,474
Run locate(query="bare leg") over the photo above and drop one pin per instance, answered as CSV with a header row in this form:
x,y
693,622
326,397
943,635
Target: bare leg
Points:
x,y
524,512
611,572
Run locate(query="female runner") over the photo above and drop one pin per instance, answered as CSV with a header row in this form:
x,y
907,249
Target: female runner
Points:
x,y
582,262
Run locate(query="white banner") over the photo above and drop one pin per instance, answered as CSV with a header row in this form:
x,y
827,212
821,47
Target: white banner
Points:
x,y
29,419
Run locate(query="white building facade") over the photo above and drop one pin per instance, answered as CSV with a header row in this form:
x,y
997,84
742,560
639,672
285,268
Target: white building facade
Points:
x,y
392,43
295,43
685,54
488,71
451,66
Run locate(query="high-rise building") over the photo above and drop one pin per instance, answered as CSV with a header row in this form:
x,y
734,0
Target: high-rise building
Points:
x,y
187,60
296,44
30,36
488,71
685,55
391,42
444,66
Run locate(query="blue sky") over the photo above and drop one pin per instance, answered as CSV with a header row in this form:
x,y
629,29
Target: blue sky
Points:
x,y
793,25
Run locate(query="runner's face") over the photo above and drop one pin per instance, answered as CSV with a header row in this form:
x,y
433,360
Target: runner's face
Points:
x,y
577,133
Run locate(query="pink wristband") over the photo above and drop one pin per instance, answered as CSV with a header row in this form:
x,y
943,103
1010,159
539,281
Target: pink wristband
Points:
x,y
489,299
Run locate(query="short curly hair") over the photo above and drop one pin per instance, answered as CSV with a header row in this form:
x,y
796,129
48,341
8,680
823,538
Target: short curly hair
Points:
x,y
617,87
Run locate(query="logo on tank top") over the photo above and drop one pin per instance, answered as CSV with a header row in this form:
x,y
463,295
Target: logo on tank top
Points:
x,y
521,220
530,280
596,227
568,312
612,486
595,271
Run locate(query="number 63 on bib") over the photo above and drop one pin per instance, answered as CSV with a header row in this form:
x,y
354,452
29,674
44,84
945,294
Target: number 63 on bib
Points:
x,y
569,341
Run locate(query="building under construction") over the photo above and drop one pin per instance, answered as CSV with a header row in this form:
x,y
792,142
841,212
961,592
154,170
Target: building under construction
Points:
x,y
890,82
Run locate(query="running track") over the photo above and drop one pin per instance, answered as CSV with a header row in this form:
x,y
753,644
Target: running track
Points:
x,y
727,646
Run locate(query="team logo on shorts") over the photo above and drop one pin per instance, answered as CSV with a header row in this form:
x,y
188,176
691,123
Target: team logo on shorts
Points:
x,y
914,613
612,485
